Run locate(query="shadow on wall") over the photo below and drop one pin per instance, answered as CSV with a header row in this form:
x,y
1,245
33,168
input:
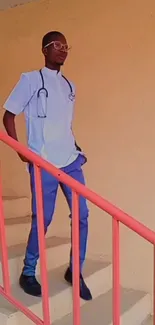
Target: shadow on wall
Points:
x,y
7,4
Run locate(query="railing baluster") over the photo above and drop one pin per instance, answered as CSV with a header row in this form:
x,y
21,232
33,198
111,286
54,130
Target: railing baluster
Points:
x,y
154,290
116,273
3,244
76,259
42,246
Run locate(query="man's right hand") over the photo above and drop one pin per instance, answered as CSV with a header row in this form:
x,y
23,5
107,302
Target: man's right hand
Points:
x,y
24,159
9,123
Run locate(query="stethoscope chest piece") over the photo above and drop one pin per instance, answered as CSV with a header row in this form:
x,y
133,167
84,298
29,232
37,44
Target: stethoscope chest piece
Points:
x,y
71,96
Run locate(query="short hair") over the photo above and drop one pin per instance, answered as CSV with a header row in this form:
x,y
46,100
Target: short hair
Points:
x,y
49,37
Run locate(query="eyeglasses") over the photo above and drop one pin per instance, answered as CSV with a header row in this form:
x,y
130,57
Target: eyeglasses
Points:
x,y
58,46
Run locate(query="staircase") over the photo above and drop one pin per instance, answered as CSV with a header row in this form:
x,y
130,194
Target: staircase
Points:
x,y
136,305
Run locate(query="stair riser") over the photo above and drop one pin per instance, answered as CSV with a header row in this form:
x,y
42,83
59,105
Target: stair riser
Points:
x,y
56,256
23,230
17,208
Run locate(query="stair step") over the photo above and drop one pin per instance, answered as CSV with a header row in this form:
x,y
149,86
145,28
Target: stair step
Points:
x,y
16,207
98,276
135,307
148,321
57,250
21,225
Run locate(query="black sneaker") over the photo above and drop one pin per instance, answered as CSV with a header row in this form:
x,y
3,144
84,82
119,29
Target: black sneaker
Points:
x,y
30,285
84,290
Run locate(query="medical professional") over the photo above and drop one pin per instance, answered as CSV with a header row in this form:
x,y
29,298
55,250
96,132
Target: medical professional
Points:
x,y
47,99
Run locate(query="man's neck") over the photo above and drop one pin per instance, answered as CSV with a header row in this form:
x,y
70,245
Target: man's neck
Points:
x,y
52,66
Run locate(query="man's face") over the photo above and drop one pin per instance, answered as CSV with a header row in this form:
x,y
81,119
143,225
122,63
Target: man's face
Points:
x,y
56,51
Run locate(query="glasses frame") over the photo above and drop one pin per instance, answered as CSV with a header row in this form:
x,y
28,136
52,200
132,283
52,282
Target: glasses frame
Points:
x,y
62,46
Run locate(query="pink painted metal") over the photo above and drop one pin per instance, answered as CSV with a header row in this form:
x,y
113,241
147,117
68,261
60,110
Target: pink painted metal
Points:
x,y
116,272
78,189
42,246
76,260
154,290
3,247
22,308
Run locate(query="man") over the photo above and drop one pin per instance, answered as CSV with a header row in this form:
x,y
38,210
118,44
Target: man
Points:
x,y
47,99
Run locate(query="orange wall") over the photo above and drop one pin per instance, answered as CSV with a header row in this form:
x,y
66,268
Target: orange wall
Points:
x,y
112,63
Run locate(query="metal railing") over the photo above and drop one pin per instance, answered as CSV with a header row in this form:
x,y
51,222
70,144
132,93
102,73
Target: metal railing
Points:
x,y
77,189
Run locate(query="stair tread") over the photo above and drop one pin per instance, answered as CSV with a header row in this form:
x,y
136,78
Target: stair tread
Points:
x,y
148,321
57,285
57,252
20,218
17,221
19,250
99,310
13,197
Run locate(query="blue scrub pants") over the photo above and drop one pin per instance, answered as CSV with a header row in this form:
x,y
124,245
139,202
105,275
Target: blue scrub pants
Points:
x,y
50,188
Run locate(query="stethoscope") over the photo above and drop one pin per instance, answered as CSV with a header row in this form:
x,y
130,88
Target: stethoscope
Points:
x,y
71,95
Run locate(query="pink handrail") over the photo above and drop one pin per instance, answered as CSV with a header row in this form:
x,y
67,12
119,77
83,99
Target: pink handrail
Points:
x,y
77,189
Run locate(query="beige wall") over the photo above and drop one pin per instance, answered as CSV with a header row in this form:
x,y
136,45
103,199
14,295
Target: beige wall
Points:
x,y
112,63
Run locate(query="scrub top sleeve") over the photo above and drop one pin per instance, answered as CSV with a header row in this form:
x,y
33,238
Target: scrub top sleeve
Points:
x,y
19,97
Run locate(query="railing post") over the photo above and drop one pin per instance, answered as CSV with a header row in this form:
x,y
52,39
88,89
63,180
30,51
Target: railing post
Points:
x,y
3,244
116,273
42,246
154,290
76,258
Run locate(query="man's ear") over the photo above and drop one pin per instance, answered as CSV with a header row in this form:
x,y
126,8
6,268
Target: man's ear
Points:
x,y
44,50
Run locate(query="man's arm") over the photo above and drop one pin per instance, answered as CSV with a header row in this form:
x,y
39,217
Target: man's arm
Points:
x,y
14,105
9,124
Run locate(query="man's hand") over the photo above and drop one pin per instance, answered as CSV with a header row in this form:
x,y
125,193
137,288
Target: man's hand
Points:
x,y
24,159
9,123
